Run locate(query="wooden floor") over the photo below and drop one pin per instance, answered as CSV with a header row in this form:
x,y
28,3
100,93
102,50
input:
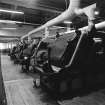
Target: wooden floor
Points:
x,y
19,86
19,89
21,92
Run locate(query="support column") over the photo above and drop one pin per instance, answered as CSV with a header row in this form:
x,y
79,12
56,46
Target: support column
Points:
x,y
69,28
46,32
29,38
11,46
8,45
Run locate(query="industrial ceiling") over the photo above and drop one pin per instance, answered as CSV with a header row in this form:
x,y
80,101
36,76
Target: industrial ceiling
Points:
x,y
36,13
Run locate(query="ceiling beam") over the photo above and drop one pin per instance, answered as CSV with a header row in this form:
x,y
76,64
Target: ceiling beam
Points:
x,y
49,9
7,41
37,7
3,36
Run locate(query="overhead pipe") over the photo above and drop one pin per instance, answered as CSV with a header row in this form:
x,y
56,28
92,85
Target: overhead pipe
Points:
x,y
98,26
3,36
11,11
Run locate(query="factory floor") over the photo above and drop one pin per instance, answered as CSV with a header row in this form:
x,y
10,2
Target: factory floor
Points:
x,y
19,89
19,86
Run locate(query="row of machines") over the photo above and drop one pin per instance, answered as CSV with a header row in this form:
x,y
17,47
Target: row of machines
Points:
x,y
67,64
